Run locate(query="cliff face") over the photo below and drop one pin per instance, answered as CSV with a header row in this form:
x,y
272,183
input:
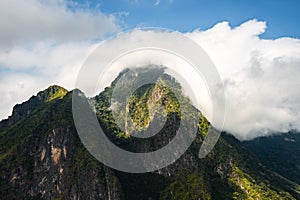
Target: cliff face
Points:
x,y
41,155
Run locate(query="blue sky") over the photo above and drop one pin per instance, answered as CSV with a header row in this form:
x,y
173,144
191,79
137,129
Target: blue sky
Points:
x,y
282,16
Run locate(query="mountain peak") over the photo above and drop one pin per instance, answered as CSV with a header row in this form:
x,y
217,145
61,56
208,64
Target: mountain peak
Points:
x,y
51,93
42,156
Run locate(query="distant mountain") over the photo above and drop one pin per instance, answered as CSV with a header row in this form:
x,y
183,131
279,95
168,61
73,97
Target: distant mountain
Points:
x,y
280,153
42,157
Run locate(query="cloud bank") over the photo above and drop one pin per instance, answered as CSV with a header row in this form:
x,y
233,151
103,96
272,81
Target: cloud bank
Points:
x,y
24,21
44,42
261,77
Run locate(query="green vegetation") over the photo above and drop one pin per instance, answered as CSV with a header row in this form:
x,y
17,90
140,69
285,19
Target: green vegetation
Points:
x,y
187,186
240,176
280,153
203,125
138,106
249,188
55,92
228,172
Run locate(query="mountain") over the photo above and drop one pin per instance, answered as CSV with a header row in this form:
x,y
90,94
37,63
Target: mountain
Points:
x,y
42,157
280,153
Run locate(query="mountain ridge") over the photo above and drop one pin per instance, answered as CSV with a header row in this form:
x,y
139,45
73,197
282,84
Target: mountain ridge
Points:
x,y
21,110
42,156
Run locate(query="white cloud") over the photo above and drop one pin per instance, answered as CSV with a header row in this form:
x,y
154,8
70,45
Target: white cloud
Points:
x,y
24,21
43,42
16,88
34,69
261,77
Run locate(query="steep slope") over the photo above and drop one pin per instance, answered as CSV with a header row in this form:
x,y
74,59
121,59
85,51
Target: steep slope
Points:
x,y
228,172
41,155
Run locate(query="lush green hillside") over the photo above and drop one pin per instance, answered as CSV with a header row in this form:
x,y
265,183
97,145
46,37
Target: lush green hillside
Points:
x,y
42,156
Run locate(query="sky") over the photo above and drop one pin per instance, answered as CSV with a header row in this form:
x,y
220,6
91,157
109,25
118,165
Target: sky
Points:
x,y
281,16
255,45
